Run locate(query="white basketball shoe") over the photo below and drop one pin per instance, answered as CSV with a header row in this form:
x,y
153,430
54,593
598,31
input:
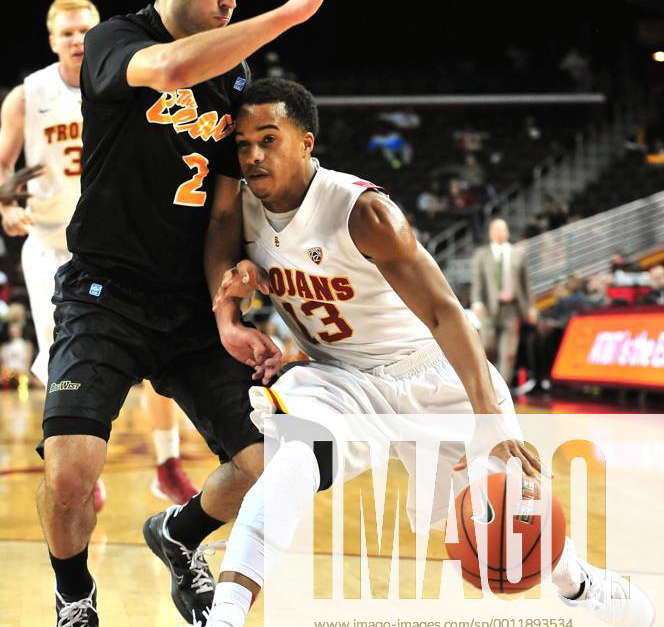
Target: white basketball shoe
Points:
x,y
606,595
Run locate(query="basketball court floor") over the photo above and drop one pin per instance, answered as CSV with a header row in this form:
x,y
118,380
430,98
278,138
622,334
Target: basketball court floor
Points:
x,y
134,586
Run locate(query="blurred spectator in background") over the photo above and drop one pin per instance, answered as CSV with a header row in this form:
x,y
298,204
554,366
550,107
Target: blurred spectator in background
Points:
x,y
393,147
578,68
463,204
471,172
501,297
15,357
596,291
431,201
656,295
469,140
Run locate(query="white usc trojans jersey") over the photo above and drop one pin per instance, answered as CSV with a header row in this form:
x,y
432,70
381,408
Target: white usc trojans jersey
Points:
x,y
53,137
334,300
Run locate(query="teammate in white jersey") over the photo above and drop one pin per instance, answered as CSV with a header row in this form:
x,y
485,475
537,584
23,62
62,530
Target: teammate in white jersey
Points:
x,y
385,331
43,118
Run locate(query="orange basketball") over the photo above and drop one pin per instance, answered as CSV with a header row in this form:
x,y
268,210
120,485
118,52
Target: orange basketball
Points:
x,y
524,523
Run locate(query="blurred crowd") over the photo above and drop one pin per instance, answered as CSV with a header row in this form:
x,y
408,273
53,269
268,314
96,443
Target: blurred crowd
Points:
x,y
573,295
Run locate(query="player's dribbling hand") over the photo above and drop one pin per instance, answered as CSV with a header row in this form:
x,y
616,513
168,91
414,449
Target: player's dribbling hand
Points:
x,y
512,448
253,348
301,10
16,222
240,282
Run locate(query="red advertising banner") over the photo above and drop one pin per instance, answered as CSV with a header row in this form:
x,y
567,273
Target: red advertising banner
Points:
x,y
623,347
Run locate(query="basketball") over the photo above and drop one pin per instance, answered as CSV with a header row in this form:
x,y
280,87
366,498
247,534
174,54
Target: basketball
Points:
x,y
528,525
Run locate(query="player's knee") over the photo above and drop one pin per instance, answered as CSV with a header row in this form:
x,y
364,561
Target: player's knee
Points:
x,y
69,487
250,461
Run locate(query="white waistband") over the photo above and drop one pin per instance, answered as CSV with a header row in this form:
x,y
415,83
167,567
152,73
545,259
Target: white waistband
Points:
x,y
428,354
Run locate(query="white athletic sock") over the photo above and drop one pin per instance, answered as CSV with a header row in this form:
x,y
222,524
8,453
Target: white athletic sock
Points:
x,y
231,604
166,443
567,575
292,478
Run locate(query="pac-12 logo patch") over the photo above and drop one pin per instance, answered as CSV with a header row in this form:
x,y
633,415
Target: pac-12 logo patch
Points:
x,y
315,254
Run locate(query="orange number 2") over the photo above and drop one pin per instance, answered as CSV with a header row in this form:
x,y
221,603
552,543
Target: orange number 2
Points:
x,y
189,193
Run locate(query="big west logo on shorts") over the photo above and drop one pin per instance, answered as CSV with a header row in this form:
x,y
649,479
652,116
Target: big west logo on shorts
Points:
x,y
64,386
186,118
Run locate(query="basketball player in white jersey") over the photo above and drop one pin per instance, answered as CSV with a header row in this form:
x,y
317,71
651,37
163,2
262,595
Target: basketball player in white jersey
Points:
x,y
386,334
43,118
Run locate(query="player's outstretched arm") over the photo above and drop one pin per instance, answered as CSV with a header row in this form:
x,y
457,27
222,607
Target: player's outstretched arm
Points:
x,y
200,57
15,221
382,233
223,249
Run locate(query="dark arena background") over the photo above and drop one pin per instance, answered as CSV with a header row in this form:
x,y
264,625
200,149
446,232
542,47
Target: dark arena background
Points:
x,y
546,115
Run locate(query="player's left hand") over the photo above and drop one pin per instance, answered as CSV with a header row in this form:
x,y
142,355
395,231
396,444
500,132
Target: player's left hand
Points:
x,y
241,281
12,190
254,348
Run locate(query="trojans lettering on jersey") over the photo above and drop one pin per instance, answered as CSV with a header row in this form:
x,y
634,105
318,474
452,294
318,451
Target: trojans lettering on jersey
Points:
x,y
336,302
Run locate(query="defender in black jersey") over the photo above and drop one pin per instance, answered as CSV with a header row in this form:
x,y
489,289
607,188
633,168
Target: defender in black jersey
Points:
x,y
157,225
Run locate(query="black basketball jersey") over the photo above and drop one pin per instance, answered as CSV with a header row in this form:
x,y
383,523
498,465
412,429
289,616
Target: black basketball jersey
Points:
x,y
149,161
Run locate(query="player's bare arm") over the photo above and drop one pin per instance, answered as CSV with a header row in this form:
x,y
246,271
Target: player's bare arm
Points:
x,y
15,221
381,233
197,58
223,248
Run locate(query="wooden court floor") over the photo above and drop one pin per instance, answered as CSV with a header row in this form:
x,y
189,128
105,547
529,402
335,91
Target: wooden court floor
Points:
x,y
133,585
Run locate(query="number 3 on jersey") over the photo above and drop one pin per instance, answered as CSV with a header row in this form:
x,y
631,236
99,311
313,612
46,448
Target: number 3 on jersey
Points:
x,y
333,317
190,193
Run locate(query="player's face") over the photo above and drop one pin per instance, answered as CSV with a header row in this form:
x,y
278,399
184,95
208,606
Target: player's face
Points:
x,y
274,152
69,28
196,16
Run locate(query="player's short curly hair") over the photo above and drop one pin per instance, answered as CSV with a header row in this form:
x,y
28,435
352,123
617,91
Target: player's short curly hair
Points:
x,y
62,6
300,103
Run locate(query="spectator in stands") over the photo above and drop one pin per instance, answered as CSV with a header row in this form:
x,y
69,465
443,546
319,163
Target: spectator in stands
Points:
x,y
393,147
432,201
463,203
469,140
596,291
471,172
501,296
578,68
656,295
15,357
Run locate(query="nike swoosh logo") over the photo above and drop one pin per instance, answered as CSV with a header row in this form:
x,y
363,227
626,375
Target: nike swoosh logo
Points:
x,y
246,243
44,110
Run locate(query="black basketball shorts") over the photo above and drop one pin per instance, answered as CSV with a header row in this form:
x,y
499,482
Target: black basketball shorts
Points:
x,y
109,337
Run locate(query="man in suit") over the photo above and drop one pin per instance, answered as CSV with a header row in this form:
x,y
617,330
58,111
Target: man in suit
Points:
x,y
501,299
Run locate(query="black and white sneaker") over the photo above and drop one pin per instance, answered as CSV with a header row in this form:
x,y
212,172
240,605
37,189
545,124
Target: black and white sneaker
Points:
x,y
77,612
192,583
